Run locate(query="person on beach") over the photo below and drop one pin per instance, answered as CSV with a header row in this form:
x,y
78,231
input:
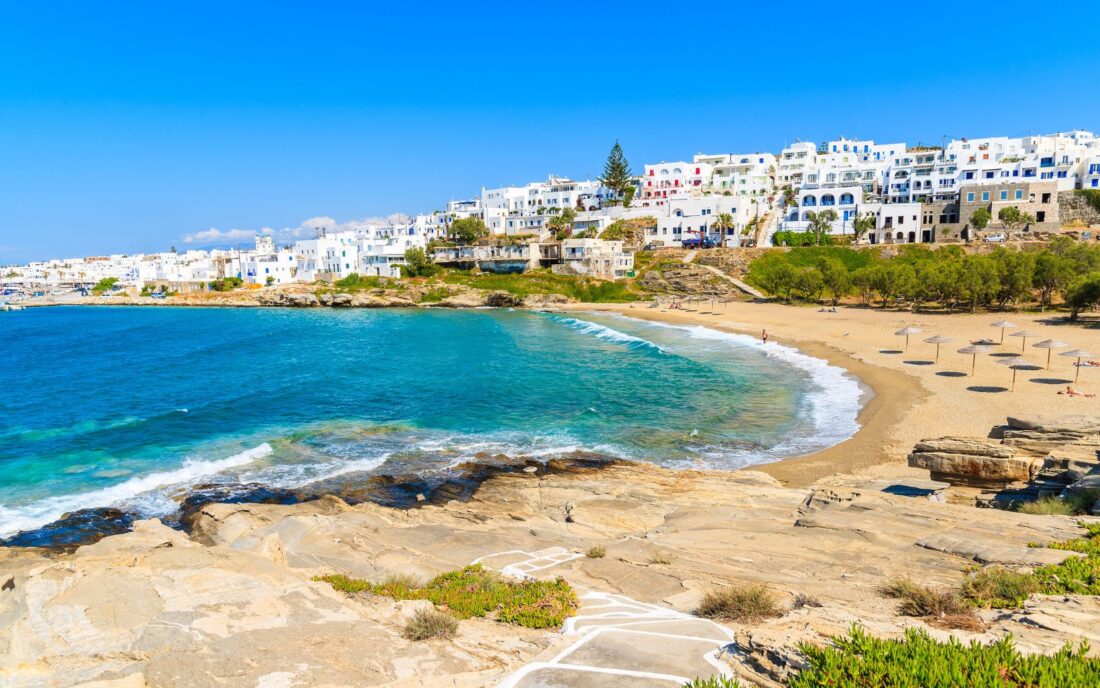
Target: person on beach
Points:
x,y
764,336
1071,392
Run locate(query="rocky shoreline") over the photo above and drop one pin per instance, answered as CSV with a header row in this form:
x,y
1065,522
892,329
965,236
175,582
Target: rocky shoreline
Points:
x,y
392,490
159,606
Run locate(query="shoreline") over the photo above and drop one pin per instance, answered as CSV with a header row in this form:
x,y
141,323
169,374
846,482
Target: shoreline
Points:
x,y
905,400
888,396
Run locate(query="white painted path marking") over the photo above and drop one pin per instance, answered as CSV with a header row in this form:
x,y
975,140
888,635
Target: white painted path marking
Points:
x,y
611,617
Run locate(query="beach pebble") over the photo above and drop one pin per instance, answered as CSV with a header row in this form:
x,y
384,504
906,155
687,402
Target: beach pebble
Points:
x,y
531,469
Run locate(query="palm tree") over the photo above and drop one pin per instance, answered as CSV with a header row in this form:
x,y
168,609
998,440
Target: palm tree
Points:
x,y
723,223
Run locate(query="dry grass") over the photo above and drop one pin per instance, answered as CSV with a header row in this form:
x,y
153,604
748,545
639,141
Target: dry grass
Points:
x,y
999,587
660,558
938,608
596,552
427,624
803,600
752,603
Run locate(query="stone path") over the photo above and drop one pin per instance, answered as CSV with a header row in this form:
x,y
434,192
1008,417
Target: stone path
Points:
x,y
619,641
751,291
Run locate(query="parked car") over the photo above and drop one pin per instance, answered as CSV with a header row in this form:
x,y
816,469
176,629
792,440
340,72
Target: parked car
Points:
x,y
995,238
698,243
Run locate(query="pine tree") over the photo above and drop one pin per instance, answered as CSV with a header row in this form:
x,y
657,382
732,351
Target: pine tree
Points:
x,y
616,171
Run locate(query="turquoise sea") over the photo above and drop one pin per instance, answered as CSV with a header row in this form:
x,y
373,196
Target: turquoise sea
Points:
x,y
127,407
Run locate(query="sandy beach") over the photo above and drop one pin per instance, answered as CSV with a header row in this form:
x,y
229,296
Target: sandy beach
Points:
x,y
914,397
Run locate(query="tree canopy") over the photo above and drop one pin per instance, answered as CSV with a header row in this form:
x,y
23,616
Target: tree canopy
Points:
x,y
616,171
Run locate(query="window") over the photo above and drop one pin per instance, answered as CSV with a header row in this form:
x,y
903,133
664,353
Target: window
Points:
x,y
969,175
985,196
970,197
1019,194
1004,195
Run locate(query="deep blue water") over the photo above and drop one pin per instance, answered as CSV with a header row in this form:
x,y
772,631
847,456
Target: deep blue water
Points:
x,y
125,407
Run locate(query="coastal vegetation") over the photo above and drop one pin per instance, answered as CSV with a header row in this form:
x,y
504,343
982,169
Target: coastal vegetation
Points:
x,y
596,552
617,176
104,285
427,624
587,289
226,284
749,604
417,264
948,277
940,608
1073,504
356,282
476,591
713,682
918,660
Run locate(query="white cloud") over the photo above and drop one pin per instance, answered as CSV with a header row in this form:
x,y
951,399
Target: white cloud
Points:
x,y
215,235
307,229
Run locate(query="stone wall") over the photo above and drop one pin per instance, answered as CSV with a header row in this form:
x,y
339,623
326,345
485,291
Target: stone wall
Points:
x,y
1073,207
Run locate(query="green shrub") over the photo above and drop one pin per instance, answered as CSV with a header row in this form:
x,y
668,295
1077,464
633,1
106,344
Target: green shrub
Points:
x,y
800,239
586,289
998,587
918,661
430,623
105,284
435,295
1092,197
474,591
748,604
596,552
713,682
1074,504
417,264
355,282
226,284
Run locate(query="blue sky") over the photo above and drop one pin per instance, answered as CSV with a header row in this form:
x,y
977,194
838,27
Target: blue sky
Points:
x,y
125,127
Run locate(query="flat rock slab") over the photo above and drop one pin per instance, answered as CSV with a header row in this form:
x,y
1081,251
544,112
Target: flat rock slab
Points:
x,y
985,552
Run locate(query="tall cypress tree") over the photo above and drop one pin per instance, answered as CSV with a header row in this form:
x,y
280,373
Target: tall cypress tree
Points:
x,y
616,171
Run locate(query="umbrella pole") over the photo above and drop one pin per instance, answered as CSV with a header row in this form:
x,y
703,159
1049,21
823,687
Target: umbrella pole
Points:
x,y
973,364
907,342
1013,378
1002,335
1023,343
1048,358
1078,375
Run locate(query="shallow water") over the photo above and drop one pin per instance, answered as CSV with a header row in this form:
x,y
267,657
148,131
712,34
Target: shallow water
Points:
x,y
126,407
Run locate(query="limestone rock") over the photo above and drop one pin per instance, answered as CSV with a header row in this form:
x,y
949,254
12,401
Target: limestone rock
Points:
x,y
502,299
466,299
965,445
974,470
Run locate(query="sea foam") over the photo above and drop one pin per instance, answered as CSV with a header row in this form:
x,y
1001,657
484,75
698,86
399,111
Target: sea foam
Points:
x,y
834,404
41,512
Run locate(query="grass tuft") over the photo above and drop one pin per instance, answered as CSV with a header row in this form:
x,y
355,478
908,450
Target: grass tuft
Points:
x,y
660,558
941,609
748,604
713,682
596,552
1073,504
430,623
999,588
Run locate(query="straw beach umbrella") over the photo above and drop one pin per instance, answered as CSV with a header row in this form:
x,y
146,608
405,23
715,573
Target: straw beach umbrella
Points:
x,y
906,331
937,340
1015,363
1004,325
1049,344
974,350
1024,335
1078,354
